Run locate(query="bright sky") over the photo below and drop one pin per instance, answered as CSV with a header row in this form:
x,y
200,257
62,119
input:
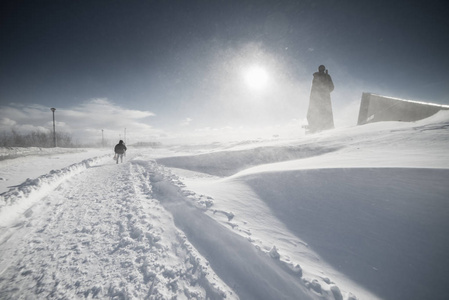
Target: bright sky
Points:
x,y
165,69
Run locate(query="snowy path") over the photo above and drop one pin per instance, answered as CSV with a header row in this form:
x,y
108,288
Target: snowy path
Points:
x,y
101,234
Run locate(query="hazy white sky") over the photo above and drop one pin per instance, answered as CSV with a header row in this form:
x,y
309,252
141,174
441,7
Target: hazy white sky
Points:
x,y
168,69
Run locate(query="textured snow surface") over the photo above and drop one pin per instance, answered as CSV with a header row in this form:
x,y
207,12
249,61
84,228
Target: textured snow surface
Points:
x,y
351,213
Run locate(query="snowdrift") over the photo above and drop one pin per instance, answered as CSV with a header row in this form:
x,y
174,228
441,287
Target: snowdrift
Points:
x,y
372,200
226,163
382,227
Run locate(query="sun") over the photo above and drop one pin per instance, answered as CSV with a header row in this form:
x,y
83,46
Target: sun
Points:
x,y
256,77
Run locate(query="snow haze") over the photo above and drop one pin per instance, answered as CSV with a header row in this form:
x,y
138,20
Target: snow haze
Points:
x,y
351,213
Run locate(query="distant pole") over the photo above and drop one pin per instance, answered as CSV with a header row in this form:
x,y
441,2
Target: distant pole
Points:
x,y
102,139
54,127
125,135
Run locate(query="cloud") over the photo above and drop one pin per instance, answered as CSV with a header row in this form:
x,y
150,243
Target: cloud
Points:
x,y
87,122
186,122
7,122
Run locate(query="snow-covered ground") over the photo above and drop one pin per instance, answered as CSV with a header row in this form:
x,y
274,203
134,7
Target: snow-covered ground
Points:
x,y
352,213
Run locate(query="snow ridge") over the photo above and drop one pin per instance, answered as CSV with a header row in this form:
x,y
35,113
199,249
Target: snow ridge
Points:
x,y
147,173
233,255
229,162
30,191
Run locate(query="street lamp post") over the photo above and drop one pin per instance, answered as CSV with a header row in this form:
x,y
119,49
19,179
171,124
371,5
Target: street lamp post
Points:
x,y
54,128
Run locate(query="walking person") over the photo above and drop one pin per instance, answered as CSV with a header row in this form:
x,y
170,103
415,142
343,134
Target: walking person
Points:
x,y
119,150
319,114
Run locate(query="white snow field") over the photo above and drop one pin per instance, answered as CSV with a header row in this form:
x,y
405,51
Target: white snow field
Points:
x,y
352,213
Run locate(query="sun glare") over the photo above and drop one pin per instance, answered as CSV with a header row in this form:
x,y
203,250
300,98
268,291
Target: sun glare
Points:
x,y
256,77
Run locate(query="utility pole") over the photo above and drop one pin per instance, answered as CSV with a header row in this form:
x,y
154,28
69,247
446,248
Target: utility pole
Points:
x,y
125,136
102,139
54,128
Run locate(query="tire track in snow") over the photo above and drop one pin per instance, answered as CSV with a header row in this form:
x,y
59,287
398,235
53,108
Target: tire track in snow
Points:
x,y
101,234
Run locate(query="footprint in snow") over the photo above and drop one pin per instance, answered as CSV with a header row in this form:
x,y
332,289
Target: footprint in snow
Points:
x,y
230,215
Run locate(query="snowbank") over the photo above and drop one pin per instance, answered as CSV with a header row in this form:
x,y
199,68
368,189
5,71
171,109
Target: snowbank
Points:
x,y
19,198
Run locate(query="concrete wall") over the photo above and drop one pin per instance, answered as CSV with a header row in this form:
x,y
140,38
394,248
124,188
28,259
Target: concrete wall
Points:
x,y
376,108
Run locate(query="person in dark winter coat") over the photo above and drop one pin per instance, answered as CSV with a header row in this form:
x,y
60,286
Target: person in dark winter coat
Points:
x,y
319,114
119,150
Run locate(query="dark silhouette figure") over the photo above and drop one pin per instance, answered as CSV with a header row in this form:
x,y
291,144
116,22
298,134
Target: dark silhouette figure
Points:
x,y
119,150
319,115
